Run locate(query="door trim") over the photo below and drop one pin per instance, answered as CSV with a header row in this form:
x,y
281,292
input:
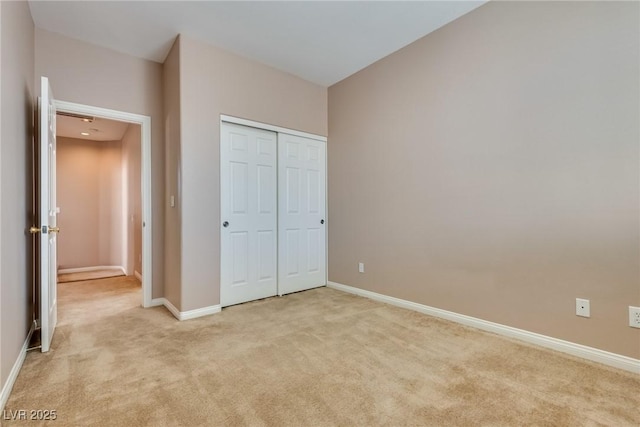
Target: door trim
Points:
x,y
273,128
147,235
279,129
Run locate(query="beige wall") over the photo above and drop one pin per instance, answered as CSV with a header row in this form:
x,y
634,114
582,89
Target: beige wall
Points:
x,y
132,198
491,169
88,74
2,375
90,197
172,238
16,123
214,82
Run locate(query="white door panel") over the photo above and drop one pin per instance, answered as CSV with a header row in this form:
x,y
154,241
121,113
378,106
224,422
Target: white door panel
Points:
x,y
248,181
302,210
47,214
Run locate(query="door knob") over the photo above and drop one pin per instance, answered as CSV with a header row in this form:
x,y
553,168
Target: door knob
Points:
x,y
322,221
225,224
54,229
34,230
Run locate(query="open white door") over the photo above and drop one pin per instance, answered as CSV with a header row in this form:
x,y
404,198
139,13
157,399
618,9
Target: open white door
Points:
x,y
48,212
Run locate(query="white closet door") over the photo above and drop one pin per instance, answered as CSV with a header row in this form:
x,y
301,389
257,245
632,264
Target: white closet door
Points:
x,y
248,179
301,205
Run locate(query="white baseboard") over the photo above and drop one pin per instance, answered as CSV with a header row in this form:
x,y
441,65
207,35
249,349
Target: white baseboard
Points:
x,y
157,302
13,375
199,312
172,308
138,275
579,350
92,268
185,315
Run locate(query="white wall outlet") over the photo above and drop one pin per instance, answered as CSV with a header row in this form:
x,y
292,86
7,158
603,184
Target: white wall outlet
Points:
x,y
583,307
361,267
634,317
173,201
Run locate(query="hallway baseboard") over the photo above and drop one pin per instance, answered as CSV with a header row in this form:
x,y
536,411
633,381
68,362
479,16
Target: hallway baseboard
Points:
x,y
92,268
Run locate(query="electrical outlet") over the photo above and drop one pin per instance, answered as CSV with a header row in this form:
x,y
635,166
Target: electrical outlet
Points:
x,y
361,267
634,317
583,307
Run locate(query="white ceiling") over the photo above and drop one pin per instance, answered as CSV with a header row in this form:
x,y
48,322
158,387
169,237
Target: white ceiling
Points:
x,y
322,42
98,130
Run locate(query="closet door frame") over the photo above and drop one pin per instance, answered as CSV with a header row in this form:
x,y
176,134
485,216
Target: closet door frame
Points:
x,y
279,130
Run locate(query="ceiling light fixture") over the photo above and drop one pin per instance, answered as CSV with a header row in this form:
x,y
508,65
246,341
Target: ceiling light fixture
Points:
x,y
87,120
85,133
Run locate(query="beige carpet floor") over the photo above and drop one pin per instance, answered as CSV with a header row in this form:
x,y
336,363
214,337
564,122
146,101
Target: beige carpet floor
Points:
x,y
315,358
89,275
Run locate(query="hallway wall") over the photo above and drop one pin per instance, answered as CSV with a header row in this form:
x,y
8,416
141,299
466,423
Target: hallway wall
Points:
x,y
172,125
90,197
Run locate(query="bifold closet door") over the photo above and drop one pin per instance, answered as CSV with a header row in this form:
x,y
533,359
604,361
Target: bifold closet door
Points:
x,y
249,221
301,213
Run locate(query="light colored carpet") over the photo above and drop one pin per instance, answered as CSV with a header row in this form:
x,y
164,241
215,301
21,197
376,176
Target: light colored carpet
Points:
x,y
89,275
315,358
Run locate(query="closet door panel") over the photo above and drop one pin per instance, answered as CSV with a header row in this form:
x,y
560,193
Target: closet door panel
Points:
x,y
248,205
301,221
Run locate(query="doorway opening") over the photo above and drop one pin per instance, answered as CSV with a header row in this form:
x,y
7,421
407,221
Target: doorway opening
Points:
x,y
104,194
98,194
